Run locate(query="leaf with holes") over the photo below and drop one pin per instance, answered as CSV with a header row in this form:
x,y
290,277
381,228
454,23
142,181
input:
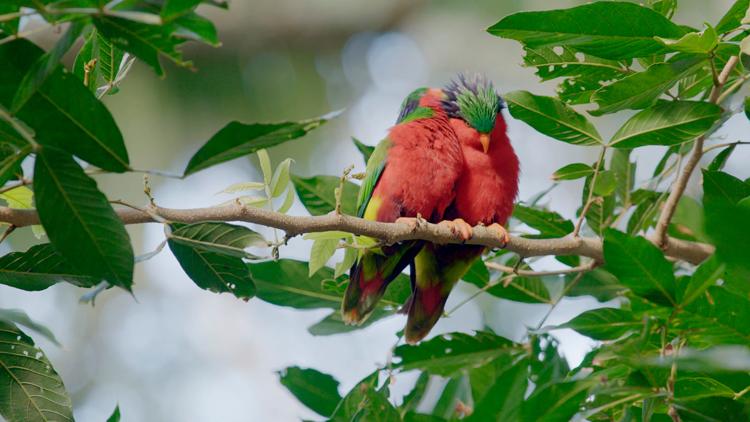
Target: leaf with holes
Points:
x,y
212,271
594,29
147,42
641,90
80,222
30,389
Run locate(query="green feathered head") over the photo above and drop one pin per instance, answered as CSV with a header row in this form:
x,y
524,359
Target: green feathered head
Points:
x,y
474,100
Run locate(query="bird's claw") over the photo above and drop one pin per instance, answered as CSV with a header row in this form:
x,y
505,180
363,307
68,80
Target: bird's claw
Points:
x,y
499,231
458,227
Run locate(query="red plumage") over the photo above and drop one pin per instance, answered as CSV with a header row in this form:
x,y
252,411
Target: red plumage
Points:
x,y
424,162
488,185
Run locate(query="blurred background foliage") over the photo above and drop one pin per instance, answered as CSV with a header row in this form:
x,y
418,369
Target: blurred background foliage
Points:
x,y
173,352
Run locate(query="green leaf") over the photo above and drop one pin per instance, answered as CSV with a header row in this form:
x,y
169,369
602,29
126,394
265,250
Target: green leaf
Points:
x,y
552,117
30,389
280,179
733,18
720,187
604,323
747,107
718,163
478,274
641,90
503,400
19,317
213,271
39,268
449,354
365,150
86,65
223,238
667,123
639,265
693,42
195,27
147,42
365,403
549,223
243,187
317,194
594,29
555,402
597,283
694,388
624,171
605,184
63,113
288,201
13,151
350,257
264,160
45,65
719,317
175,8
316,390
572,172
522,289
115,416
79,220
333,324
237,139
704,277
727,223
322,250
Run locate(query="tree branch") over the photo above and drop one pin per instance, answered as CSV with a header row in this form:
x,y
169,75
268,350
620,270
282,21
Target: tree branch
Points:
x,y
678,188
389,232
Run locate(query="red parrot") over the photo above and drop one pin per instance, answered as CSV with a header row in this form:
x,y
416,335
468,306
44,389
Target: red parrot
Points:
x,y
485,194
411,173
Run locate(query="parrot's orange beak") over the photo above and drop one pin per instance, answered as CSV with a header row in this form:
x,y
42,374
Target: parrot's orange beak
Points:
x,y
484,139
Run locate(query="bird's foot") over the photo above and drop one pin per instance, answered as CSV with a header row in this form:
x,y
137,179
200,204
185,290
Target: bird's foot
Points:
x,y
499,231
459,227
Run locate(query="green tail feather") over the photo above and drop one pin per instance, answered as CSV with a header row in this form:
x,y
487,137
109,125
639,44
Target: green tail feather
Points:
x,y
370,276
438,269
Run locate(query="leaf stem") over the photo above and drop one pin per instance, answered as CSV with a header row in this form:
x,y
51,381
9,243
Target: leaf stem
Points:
x,y
590,199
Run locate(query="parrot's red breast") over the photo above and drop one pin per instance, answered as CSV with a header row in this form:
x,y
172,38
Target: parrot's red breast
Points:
x,y
488,185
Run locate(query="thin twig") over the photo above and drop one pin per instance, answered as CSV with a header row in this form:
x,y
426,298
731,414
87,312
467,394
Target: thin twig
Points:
x,y
590,199
679,185
531,273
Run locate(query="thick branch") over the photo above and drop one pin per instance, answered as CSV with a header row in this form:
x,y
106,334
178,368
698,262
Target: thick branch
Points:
x,y
678,188
389,232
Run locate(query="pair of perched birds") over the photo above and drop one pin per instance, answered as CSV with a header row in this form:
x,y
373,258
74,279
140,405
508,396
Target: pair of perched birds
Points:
x,y
448,159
